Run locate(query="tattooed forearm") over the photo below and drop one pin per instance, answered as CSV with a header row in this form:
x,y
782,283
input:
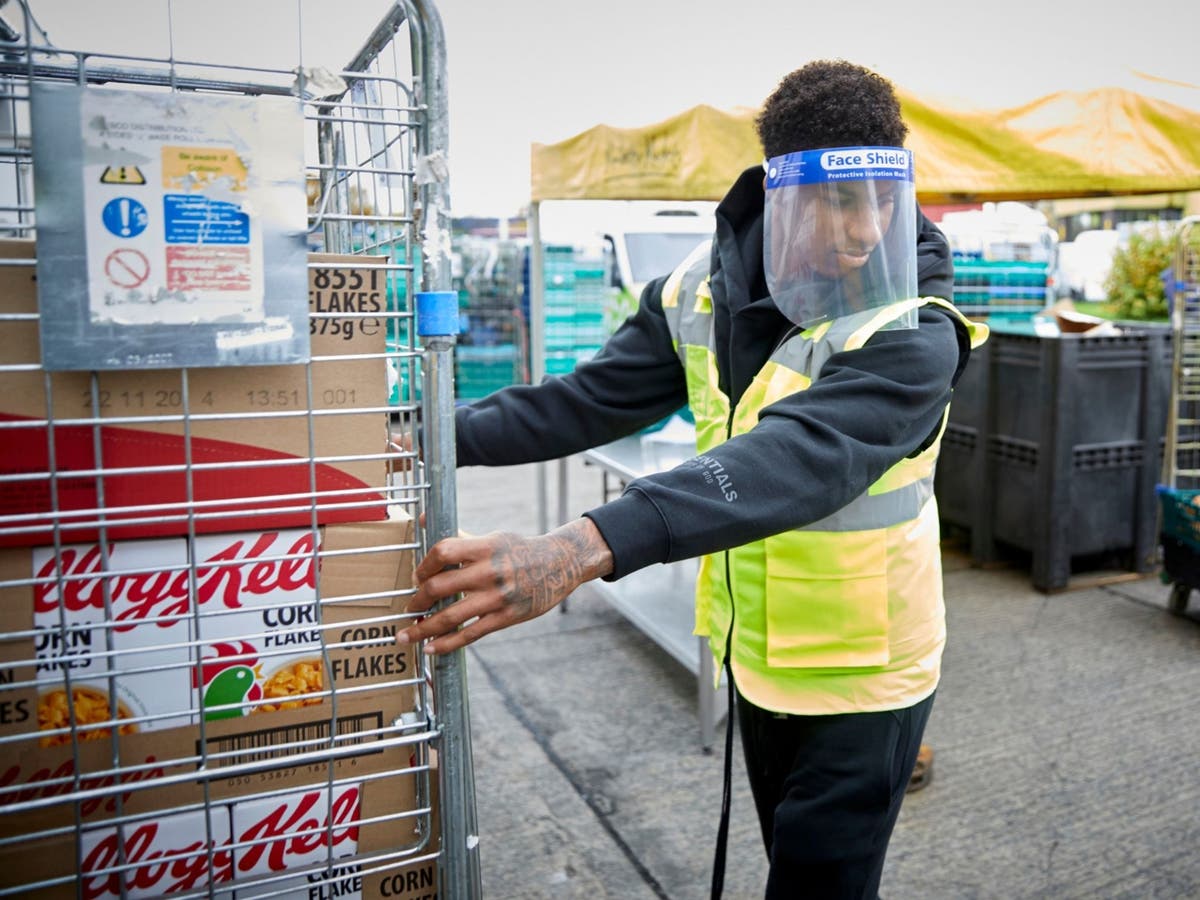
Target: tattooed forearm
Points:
x,y
502,578
532,576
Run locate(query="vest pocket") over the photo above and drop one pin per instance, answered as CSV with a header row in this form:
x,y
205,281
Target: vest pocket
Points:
x,y
827,599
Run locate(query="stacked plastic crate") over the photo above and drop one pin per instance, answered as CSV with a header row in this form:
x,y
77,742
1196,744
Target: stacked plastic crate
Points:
x,y
491,352
577,293
1002,257
1000,287
407,370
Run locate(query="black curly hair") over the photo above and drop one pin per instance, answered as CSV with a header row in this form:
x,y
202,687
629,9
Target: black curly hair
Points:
x,y
830,103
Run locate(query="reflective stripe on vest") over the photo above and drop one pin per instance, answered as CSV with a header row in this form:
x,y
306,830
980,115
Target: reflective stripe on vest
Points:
x,y
841,615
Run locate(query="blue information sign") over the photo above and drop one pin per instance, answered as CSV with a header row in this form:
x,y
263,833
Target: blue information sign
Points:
x,y
196,219
125,217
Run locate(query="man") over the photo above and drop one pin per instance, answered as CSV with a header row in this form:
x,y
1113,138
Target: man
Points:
x,y
820,385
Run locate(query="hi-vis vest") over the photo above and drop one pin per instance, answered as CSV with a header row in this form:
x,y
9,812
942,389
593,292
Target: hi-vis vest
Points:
x,y
845,614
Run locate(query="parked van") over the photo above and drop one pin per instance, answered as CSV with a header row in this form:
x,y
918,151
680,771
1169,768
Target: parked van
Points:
x,y
645,248
648,246
640,239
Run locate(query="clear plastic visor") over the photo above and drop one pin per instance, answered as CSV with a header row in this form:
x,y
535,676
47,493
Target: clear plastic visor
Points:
x,y
840,232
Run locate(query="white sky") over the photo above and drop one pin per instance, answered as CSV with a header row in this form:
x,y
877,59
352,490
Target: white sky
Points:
x,y
524,71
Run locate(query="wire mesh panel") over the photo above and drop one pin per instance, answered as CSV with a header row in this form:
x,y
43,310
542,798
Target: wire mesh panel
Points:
x,y
1180,489
1181,465
203,567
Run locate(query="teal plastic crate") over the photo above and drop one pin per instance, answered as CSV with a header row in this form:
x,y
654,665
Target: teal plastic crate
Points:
x,y
401,360
1180,515
1007,287
563,362
398,300
479,371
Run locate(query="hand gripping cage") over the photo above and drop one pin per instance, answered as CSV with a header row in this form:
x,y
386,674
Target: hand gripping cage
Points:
x,y
202,568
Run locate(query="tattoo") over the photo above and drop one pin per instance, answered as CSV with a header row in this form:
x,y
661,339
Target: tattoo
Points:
x,y
533,575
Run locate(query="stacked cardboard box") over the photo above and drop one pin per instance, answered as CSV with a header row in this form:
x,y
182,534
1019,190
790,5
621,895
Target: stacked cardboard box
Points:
x,y
321,841
228,683
217,449
199,688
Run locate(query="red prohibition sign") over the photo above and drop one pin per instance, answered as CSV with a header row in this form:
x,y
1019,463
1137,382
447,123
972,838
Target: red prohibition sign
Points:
x,y
127,267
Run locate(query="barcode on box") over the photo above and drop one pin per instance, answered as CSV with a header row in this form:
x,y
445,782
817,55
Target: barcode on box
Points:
x,y
280,742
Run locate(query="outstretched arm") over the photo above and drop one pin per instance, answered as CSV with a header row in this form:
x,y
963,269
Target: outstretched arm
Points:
x,y
503,578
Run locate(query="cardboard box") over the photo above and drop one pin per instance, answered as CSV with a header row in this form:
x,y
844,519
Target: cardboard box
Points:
x,y
246,473
186,839
182,840
254,844
416,880
373,867
248,758
389,804
236,632
134,633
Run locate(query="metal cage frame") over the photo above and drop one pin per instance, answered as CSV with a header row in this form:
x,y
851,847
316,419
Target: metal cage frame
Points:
x,y
379,188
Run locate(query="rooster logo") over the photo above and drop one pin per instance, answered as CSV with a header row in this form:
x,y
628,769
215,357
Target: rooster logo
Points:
x,y
229,681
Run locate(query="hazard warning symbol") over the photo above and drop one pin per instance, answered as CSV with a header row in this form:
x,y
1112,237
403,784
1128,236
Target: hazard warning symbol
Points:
x,y
127,268
122,175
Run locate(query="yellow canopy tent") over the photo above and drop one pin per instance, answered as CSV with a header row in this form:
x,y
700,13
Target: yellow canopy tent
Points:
x,y
1068,144
1107,141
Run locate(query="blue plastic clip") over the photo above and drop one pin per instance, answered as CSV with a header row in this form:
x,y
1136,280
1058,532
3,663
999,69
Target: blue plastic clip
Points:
x,y
437,313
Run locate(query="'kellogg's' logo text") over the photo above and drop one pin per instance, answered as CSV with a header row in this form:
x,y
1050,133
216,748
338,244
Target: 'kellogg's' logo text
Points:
x,y
158,864
293,830
227,575
44,782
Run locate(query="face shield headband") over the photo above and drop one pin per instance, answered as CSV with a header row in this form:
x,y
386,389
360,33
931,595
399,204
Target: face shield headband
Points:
x,y
840,232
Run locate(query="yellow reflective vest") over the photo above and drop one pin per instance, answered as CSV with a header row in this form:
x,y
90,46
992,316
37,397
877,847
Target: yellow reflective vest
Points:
x,y
841,615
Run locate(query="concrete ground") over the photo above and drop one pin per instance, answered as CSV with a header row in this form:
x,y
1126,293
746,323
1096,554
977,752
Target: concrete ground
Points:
x,y
1065,729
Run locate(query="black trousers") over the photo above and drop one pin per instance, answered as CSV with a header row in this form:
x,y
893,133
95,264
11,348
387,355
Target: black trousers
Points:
x,y
828,790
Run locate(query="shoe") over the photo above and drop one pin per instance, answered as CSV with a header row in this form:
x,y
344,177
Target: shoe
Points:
x,y
922,772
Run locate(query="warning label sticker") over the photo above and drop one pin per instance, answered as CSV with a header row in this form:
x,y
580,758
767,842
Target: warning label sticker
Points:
x,y
187,249
179,235
122,175
127,268
208,269
200,168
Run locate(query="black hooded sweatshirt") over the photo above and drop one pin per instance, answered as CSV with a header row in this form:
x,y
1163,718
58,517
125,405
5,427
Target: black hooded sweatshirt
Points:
x,y
810,453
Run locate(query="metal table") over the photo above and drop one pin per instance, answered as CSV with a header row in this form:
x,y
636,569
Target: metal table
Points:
x,y
658,600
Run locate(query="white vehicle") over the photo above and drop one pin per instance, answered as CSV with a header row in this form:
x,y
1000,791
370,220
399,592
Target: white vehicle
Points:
x,y
1000,231
645,249
643,239
652,246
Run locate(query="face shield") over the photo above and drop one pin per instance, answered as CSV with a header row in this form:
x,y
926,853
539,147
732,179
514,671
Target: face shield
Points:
x,y
839,233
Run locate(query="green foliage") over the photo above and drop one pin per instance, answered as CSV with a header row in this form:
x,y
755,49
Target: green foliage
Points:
x,y
1100,309
1134,285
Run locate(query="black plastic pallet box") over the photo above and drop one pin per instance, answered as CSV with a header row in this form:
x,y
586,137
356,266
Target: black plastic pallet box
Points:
x,y
1054,447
